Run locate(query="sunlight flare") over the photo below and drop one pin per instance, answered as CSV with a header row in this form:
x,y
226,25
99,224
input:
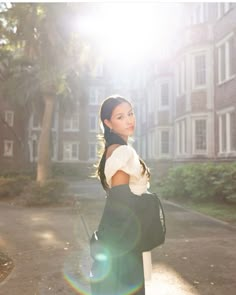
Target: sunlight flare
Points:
x,y
132,31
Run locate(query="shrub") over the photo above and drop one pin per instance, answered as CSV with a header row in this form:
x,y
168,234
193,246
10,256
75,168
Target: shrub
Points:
x,y
77,170
173,184
201,182
52,192
12,186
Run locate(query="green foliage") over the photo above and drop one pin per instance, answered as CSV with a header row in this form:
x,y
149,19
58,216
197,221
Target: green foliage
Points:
x,y
12,186
39,59
173,185
77,170
51,192
201,182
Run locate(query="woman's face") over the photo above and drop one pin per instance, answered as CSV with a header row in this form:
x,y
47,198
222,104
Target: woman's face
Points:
x,y
122,121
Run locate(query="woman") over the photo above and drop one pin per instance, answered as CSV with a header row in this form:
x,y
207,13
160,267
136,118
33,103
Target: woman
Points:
x,y
118,262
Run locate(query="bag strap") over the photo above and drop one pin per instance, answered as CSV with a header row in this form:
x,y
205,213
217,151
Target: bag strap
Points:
x,y
162,218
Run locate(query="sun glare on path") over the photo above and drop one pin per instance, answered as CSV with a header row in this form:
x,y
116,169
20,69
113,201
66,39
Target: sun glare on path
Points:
x,y
132,32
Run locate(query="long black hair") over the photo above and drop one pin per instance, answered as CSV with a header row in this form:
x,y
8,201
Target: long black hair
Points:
x,y
109,137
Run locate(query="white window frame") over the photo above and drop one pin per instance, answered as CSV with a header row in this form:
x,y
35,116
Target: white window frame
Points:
x,y
161,105
35,127
160,142
9,118
54,121
224,42
227,113
70,120
95,117
200,14
53,150
96,151
95,92
194,148
151,145
34,158
8,148
181,147
70,151
181,77
143,114
226,7
196,86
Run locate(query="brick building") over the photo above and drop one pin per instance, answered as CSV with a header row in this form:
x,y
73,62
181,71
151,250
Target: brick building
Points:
x,y
192,97
185,106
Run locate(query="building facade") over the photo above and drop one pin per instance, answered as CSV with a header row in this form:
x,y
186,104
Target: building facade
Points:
x,y
185,106
191,99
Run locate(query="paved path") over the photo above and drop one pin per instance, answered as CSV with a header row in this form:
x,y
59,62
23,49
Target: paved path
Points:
x,y
50,249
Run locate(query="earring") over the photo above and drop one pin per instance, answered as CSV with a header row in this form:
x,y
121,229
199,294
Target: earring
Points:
x,y
110,130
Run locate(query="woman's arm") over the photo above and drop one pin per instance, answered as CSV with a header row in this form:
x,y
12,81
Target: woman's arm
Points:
x,y
120,177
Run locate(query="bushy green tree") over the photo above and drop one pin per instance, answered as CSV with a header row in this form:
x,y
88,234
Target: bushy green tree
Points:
x,y
38,62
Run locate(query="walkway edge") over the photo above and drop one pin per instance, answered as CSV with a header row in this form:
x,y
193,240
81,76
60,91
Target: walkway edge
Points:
x,y
221,222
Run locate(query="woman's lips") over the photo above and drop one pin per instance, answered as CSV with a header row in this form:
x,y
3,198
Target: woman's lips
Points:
x,y
131,128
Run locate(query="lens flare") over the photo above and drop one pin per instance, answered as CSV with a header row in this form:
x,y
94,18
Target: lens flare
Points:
x,y
82,271
101,268
76,272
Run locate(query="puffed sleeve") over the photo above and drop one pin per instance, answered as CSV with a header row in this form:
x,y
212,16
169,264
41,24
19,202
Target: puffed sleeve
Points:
x,y
123,158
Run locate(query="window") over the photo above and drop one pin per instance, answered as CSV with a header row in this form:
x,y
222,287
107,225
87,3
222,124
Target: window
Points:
x,y
95,93
93,122
53,150
231,57
164,95
8,148
181,137
70,151
200,14
99,70
181,78
92,151
223,8
233,131
71,122
165,142
36,121
34,145
93,96
199,71
151,145
200,136
226,65
227,132
34,150
143,113
54,120
9,118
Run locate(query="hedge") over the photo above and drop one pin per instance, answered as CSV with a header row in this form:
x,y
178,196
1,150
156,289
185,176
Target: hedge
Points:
x,y
200,182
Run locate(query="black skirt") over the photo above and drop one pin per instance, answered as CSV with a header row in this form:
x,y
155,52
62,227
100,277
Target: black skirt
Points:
x,y
118,276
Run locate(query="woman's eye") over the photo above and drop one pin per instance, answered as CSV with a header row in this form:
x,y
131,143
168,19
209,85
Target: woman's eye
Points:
x,y
131,114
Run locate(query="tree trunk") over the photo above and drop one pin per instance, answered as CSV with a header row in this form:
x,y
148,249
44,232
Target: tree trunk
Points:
x,y
44,149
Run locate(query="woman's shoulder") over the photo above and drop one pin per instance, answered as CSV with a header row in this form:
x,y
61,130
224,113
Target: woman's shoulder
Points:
x,y
124,158
111,149
119,150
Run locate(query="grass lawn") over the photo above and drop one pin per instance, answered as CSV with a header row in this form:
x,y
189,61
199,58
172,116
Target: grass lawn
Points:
x,y
225,212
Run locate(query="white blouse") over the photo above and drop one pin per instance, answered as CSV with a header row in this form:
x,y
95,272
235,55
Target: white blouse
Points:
x,y
126,159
